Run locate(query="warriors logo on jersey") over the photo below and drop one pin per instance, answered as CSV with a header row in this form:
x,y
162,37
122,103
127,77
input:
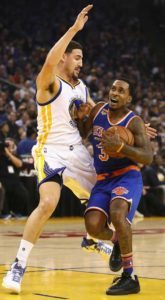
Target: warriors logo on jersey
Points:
x,y
74,105
55,123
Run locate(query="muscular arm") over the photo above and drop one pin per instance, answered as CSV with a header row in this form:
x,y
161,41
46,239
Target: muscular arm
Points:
x,y
47,82
141,152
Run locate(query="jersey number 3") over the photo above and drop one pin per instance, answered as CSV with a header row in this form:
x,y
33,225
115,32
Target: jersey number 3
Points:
x,y
103,156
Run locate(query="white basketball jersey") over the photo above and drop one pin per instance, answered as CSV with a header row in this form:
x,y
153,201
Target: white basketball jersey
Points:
x,y
55,125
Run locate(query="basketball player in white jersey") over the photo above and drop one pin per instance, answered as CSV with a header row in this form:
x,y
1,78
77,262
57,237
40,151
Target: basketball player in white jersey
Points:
x,y
59,154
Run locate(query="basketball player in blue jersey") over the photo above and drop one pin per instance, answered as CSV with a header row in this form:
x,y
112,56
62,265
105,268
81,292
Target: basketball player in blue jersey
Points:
x,y
118,189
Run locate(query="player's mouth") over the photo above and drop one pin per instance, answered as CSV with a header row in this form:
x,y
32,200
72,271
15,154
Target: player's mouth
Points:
x,y
77,70
113,101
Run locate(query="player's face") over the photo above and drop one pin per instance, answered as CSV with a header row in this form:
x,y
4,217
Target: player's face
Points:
x,y
73,63
119,95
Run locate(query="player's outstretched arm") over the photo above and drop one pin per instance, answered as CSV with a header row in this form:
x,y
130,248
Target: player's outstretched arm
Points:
x,y
46,77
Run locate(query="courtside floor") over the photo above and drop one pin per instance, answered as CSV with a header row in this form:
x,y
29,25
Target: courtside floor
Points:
x,y
59,269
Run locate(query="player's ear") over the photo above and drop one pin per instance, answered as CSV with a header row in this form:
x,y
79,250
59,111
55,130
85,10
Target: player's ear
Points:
x,y
129,99
63,57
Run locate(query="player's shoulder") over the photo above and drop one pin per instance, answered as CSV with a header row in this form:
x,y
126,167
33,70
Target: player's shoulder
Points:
x,y
102,105
98,107
135,121
82,82
135,117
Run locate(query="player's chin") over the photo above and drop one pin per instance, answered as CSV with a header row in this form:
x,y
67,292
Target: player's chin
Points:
x,y
76,74
112,107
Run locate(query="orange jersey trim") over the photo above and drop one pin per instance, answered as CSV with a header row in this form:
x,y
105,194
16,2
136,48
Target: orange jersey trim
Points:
x,y
117,172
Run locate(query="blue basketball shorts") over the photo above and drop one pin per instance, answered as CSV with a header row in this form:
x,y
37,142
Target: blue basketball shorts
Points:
x,y
128,187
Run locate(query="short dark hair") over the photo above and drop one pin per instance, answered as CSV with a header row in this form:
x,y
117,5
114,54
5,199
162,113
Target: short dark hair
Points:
x,y
73,45
130,83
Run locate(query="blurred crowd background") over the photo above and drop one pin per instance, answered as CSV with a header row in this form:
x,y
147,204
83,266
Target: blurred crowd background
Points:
x,y
121,38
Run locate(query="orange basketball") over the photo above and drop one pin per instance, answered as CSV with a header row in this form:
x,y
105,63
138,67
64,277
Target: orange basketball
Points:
x,y
126,136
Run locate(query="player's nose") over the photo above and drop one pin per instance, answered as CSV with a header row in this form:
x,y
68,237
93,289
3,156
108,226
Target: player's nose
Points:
x,y
80,64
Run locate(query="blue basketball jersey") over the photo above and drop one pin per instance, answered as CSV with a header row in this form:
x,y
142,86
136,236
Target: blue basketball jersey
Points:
x,y
102,162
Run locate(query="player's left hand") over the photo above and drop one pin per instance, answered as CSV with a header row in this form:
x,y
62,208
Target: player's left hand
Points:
x,y
83,111
151,132
82,18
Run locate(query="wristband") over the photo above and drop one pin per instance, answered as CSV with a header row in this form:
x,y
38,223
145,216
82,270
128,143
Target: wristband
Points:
x,y
120,148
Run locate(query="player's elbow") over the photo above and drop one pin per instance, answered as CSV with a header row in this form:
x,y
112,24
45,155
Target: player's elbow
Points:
x,y
147,160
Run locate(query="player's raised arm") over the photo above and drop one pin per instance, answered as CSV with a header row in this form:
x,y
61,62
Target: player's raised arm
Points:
x,y
46,80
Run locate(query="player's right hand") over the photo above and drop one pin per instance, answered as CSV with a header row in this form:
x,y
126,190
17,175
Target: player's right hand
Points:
x,y
110,142
82,18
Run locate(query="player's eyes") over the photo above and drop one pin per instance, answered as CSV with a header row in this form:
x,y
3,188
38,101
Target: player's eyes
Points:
x,y
121,91
78,57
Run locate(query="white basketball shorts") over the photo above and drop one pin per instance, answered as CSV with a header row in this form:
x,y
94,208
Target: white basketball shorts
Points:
x,y
74,163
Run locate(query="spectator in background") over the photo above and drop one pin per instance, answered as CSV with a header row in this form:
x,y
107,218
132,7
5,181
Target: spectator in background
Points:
x,y
28,175
3,113
17,99
24,119
25,145
21,133
13,127
32,110
4,130
16,195
158,166
153,198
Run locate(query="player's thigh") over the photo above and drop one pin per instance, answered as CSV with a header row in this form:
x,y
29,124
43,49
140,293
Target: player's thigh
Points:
x,y
80,168
50,192
49,163
100,199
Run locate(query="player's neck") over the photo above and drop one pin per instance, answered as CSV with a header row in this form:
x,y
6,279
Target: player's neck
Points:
x,y
116,115
67,78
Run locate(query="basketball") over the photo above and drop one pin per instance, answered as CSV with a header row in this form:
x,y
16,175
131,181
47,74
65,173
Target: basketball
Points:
x,y
125,135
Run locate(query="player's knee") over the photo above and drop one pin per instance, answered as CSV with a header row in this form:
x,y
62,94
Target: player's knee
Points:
x,y
47,206
117,217
93,227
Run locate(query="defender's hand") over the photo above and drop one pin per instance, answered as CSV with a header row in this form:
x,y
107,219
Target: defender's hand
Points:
x,y
82,18
83,111
151,132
